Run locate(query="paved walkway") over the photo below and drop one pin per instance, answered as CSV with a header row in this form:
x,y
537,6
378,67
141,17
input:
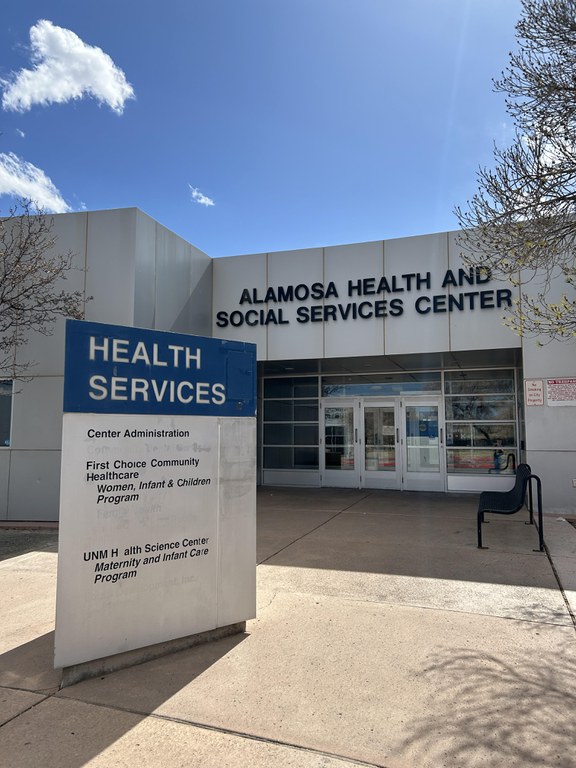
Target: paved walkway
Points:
x,y
383,638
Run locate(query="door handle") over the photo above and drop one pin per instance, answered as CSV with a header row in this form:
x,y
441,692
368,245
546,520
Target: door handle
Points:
x,y
356,434
441,436
397,435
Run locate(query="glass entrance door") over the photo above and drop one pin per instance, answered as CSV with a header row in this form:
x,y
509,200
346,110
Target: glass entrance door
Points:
x,y
340,443
360,443
380,437
392,443
423,445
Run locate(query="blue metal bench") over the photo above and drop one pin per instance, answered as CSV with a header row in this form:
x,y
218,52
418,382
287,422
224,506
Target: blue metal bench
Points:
x,y
509,502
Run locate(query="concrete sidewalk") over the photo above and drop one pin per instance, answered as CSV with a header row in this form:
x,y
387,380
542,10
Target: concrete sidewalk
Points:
x,y
383,638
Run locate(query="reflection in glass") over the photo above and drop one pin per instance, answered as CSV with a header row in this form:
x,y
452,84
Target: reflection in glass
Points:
x,y
422,446
380,384
479,407
339,437
5,412
380,449
278,410
306,458
298,386
480,461
306,410
478,382
480,434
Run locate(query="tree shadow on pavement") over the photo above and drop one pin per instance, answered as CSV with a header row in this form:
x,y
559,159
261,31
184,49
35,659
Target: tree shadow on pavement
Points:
x,y
490,711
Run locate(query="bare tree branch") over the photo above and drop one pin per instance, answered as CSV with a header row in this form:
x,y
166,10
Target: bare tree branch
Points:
x,y
31,273
521,223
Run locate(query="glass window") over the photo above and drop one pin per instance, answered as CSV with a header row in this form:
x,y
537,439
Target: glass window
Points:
x,y
478,382
305,434
306,387
300,386
480,421
306,410
278,434
278,458
290,423
5,412
380,384
278,410
290,458
278,387
306,458
478,461
480,434
478,407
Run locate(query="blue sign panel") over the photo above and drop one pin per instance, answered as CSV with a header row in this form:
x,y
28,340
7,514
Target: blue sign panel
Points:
x,y
116,369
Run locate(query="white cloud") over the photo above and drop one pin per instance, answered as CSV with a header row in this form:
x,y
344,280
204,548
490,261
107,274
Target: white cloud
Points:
x,y
22,179
20,133
198,197
65,68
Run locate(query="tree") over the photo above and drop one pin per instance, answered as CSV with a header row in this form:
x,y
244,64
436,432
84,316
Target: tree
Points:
x,y
31,294
521,223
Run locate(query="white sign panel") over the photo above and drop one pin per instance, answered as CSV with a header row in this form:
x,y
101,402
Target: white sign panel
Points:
x,y
157,521
534,390
561,391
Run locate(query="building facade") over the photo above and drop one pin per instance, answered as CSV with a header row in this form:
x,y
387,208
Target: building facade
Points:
x,y
381,365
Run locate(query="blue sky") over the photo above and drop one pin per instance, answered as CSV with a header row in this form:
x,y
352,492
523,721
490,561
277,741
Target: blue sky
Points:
x,y
255,125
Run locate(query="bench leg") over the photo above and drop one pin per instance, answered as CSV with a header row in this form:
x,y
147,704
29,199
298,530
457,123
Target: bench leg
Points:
x,y
540,525
479,521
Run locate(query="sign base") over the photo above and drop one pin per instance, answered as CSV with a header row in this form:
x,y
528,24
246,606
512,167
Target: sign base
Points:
x,y
88,669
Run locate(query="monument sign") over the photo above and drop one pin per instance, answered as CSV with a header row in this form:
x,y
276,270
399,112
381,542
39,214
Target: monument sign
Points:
x,y
158,489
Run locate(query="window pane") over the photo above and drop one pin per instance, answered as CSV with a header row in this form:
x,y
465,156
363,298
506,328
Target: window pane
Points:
x,y
306,387
478,461
278,388
278,458
339,437
478,407
5,412
278,410
302,386
422,446
380,448
477,382
380,384
306,458
458,434
277,434
305,434
306,410
494,434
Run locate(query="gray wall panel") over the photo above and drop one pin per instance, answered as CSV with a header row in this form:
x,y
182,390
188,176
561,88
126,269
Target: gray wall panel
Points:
x,y
551,360
37,413
5,455
414,332
231,276
111,264
173,281
34,485
295,340
145,271
345,263
479,328
199,310
556,469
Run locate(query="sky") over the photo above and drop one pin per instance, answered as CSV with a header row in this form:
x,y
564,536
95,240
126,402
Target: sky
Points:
x,y
249,126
